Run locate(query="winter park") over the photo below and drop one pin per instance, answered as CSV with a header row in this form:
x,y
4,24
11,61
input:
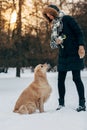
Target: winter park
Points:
x,y
43,65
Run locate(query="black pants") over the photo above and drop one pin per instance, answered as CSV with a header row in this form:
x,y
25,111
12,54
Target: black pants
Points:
x,y
77,80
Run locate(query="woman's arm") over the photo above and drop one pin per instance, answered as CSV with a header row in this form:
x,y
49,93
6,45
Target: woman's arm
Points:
x,y
76,30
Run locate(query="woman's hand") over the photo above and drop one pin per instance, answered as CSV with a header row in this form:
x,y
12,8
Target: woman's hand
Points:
x,y
81,51
59,40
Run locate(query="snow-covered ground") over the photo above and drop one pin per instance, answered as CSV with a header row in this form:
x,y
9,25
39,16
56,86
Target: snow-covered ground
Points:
x,y
65,119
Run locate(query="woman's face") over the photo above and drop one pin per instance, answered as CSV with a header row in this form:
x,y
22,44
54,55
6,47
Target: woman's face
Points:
x,y
50,16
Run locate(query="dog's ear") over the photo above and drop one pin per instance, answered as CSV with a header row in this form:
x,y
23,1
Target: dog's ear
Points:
x,y
35,70
38,72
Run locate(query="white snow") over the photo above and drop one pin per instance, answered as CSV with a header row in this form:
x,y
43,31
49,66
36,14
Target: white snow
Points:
x,y
65,119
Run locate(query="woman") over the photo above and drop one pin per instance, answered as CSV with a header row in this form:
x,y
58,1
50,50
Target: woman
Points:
x,y
67,36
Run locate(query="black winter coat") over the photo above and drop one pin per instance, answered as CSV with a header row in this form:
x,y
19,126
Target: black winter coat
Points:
x,y
68,58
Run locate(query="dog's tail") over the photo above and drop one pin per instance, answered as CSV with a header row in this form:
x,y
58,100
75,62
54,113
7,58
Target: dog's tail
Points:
x,y
22,110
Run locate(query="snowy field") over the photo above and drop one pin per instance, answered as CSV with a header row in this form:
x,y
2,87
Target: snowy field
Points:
x,y
65,119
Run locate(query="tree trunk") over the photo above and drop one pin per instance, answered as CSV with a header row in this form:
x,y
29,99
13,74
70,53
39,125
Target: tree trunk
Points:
x,y
0,19
18,71
19,24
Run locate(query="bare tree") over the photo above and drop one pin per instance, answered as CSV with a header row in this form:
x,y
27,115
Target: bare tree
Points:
x,y
0,17
18,40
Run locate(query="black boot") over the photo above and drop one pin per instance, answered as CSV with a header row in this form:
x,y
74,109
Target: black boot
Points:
x,y
61,104
82,106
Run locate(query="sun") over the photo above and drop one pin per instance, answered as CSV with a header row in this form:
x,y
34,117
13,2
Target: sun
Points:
x,y
13,17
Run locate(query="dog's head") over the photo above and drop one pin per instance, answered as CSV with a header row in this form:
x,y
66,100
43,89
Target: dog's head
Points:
x,y
41,68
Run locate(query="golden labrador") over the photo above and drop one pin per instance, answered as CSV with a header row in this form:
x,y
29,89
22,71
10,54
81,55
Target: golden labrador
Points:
x,y
36,94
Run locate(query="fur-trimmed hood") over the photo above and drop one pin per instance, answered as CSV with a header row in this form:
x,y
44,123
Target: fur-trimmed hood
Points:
x,y
51,9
